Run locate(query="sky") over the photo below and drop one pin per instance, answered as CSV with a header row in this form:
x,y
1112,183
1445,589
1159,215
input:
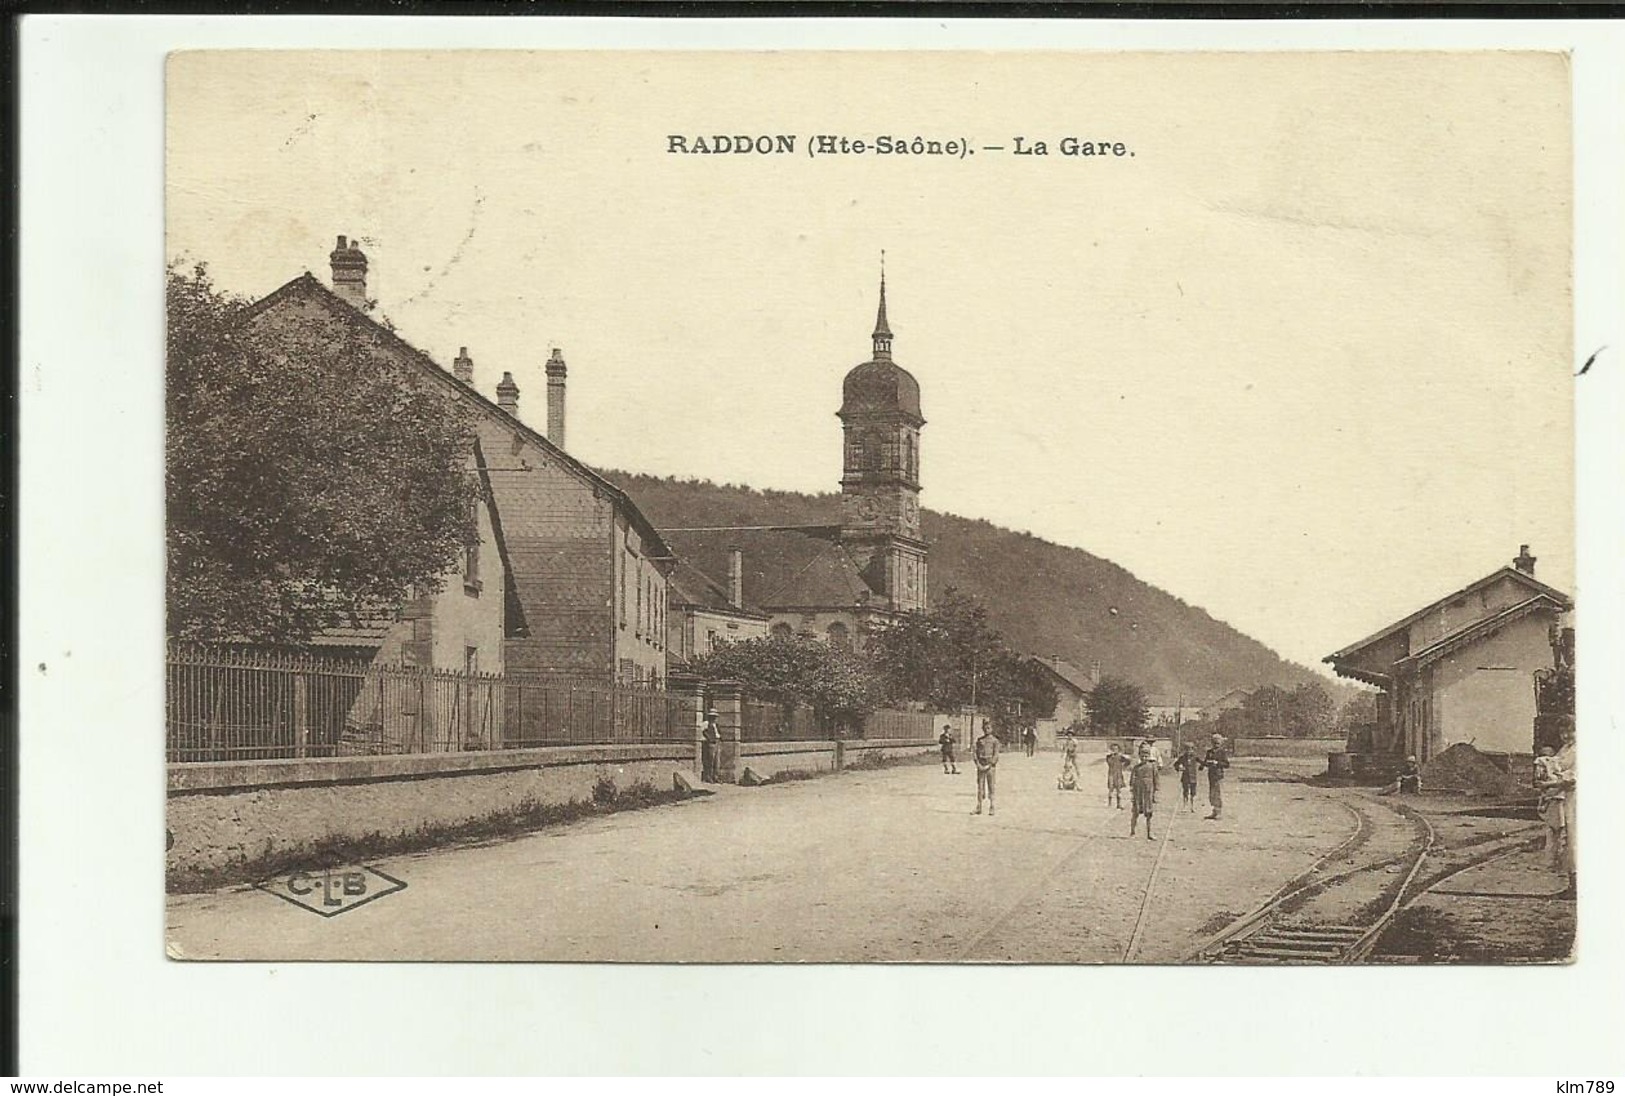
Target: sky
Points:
x,y
1303,358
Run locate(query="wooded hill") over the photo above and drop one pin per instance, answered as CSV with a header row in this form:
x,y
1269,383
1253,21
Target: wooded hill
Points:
x,y
1045,598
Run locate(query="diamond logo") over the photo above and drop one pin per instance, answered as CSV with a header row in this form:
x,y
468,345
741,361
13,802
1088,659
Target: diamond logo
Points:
x,y
331,891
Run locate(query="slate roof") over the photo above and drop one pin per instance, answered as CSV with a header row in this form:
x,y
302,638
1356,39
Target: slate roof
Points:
x,y
1560,599
308,284
1069,674
785,567
688,585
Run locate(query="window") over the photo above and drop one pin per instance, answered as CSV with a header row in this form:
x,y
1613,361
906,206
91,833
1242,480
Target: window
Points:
x,y
781,630
839,637
471,660
710,639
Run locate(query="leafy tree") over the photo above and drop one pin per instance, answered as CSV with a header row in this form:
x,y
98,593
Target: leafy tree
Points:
x,y
308,482
1359,708
838,684
1309,711
949,656
1116,707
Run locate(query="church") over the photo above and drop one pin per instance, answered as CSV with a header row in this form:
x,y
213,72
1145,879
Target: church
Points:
x,y
835,581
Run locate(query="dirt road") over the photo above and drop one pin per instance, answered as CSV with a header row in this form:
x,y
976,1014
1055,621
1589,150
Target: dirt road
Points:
x,y
886,865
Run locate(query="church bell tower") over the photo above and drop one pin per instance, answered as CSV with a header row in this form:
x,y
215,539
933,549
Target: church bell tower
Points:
x,y
880,479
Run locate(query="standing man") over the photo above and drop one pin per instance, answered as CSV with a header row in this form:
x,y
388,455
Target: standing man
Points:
x,y
710,749
1188,765
1215,763
1030,735
1143,788
986,756
950,764
1117,763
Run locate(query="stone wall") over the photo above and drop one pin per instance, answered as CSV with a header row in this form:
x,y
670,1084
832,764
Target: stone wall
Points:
x,y
225,813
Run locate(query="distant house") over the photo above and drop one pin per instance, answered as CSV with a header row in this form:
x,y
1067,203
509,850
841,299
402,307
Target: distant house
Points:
x,y
1462,669
835,582
571,576
703,615
1229,702
1072,687
1165,712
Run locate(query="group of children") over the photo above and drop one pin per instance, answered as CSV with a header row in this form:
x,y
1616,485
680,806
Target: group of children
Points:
x,y
1142,774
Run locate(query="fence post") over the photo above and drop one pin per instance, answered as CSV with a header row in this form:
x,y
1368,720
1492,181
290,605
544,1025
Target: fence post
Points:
x,y
301,714
726,700
690,692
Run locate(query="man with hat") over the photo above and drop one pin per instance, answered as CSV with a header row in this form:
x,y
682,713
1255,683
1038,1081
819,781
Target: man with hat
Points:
x,y
711,748
986,755
1215,763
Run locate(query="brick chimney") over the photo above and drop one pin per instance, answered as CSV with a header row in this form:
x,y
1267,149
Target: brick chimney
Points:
x,y
1525,562
736,576
508,395
349,266
463,366
555,398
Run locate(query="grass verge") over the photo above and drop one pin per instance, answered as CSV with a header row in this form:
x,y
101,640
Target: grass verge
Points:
x,y
338,851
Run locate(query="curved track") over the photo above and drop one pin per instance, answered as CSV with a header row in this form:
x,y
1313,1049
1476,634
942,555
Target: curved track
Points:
x,y
1339,918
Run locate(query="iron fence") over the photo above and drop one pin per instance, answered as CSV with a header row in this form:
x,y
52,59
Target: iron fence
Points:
x,y
887,723
241,705
550,711
764,721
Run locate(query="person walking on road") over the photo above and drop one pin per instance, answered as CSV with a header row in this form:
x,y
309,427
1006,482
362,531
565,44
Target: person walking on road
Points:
x,y
1068,781
1215,762
1117,764
986,755
710,749
1187,764
1030,737
950,764
1143,788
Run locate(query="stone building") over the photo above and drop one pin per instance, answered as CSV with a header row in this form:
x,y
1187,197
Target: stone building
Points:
x,y
570,576
836,581
703,615
1463,668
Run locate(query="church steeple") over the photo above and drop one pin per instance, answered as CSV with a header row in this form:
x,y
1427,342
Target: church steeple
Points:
x,y
882,335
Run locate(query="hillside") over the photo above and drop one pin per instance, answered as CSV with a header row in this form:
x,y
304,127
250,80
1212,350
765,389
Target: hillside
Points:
x,y
1047,599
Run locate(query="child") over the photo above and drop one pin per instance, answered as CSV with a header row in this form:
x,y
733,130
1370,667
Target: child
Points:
x,y
1117,763
1188,765
950,765
1069,765
1143,788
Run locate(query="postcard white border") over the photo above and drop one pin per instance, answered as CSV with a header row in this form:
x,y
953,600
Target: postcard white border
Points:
x,y
100,998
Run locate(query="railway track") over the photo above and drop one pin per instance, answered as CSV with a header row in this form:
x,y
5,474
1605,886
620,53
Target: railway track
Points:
x,y
1339,918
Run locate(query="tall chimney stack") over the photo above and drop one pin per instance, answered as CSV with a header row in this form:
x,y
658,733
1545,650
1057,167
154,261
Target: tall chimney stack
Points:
x,y
508,395
462,366
555,398
736,576
1525,562
349,266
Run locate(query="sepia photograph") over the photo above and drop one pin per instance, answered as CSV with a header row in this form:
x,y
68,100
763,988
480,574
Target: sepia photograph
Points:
x,y
860,507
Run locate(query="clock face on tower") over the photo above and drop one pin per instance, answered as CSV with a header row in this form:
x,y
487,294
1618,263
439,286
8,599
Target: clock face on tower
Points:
x,y
867,507
911,512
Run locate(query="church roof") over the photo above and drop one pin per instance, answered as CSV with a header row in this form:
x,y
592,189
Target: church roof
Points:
x,y
688,585
785,567
880,386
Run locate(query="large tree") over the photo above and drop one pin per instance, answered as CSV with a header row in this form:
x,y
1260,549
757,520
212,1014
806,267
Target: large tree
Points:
x,y
1116,707
308,481
837,683
949,657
